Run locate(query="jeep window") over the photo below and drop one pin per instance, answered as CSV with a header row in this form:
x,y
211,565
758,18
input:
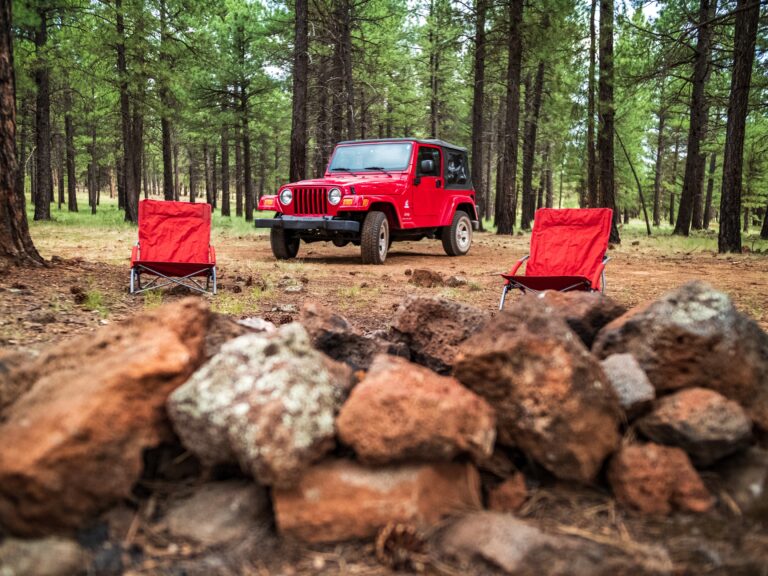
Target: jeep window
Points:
x,y
362,157
429,154
455,168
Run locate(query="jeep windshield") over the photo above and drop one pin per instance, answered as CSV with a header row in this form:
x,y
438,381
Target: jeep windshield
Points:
x,y
383,157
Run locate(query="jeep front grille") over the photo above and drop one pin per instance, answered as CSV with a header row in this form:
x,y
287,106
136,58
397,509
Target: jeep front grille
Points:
x,y
310,200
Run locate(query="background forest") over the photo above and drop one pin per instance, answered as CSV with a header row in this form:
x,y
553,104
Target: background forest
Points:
x,y
226,100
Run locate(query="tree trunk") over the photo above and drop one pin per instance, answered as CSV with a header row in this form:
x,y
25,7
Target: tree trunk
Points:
x,y
764,229
434,66
238,172
214,180
43,175
659,172
15,242
499,162
512,121
745,226
745,34
606,112
478,97
542,182
592,191
225,170
694,161
532,110
69,143
60,167
298,160
248,182
92,185
192,174
207,173
550,198
128,172
710,186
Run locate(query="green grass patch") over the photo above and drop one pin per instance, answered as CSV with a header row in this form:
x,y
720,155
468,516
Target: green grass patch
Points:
x,y
95,301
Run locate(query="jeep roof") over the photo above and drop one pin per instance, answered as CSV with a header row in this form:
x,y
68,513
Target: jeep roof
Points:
x,y
434,142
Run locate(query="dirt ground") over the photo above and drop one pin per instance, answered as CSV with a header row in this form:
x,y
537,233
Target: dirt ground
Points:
x,y
86,286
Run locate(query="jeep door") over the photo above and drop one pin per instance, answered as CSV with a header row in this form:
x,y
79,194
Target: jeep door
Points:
x,y
428,185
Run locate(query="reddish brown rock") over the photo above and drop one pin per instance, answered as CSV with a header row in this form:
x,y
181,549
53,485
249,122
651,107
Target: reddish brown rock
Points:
x,y
702,422
341,500
655,479
72,445
510,495
404,411
332,334
433,329
551,398
585,312
426,278
695,337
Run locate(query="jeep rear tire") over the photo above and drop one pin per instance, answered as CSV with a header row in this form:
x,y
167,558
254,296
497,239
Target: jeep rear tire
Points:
x,y
374,239
285,245
457,238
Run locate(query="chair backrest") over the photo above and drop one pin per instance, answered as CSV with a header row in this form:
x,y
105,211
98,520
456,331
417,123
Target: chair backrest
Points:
x,y
174,231
569,242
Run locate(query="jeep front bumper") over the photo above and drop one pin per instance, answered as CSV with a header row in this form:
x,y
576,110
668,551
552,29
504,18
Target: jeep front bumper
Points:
x,y
308,223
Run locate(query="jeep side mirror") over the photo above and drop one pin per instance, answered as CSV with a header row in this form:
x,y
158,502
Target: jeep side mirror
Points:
x,y
427,166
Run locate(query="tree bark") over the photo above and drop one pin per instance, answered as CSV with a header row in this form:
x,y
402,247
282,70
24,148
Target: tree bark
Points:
x,y
16,245
128,174
434,67
248,181
694,161
512,121
238,172
745,34
499,162
192,174
532,111
298,158
43,174
659,171
69,143
710,187
207,173
764,228
225,170
606,116
592,191
478,100
550,196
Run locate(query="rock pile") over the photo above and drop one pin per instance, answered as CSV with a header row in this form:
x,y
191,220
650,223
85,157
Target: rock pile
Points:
x,y
345,434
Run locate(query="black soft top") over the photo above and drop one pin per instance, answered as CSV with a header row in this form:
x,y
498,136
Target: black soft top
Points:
x,y
441,143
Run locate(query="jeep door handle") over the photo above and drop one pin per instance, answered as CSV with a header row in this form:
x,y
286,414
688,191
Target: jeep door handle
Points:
x,y
438,183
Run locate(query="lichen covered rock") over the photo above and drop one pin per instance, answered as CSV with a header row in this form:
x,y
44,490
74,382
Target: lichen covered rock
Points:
x,y
267,401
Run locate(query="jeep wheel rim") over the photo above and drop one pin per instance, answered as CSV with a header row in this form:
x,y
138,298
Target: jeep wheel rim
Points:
x,y
463,234
383,239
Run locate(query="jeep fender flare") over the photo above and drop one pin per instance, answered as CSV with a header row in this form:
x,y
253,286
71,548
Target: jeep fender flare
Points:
x,y
464,203
388,208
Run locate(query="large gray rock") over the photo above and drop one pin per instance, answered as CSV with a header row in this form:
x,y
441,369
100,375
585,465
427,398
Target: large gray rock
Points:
x,y
634,390
219,514
702,422
551,398
433,329
694,336
266,400
332,334
496,543
45,557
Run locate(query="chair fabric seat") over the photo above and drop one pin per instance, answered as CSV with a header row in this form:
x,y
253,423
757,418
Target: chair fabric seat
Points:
x,y
177,268
541,283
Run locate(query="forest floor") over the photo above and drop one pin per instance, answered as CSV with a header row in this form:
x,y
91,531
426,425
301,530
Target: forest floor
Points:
x,y
87,283
86,286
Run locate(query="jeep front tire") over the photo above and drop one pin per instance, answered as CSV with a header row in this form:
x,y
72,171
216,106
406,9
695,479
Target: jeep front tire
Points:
x,y
457,238
374,239
285,245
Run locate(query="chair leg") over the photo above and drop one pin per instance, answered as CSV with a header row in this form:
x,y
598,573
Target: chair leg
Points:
x,y
602,281
503,296
133,276
214,280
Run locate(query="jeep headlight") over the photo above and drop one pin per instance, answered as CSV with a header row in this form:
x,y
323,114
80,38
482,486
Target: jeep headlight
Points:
x,y
286,196
334,196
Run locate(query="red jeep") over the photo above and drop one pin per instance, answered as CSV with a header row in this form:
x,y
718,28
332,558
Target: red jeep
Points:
x,y
375,192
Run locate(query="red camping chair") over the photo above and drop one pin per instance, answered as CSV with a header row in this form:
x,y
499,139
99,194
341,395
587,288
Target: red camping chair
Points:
x,y
174,244
567,252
